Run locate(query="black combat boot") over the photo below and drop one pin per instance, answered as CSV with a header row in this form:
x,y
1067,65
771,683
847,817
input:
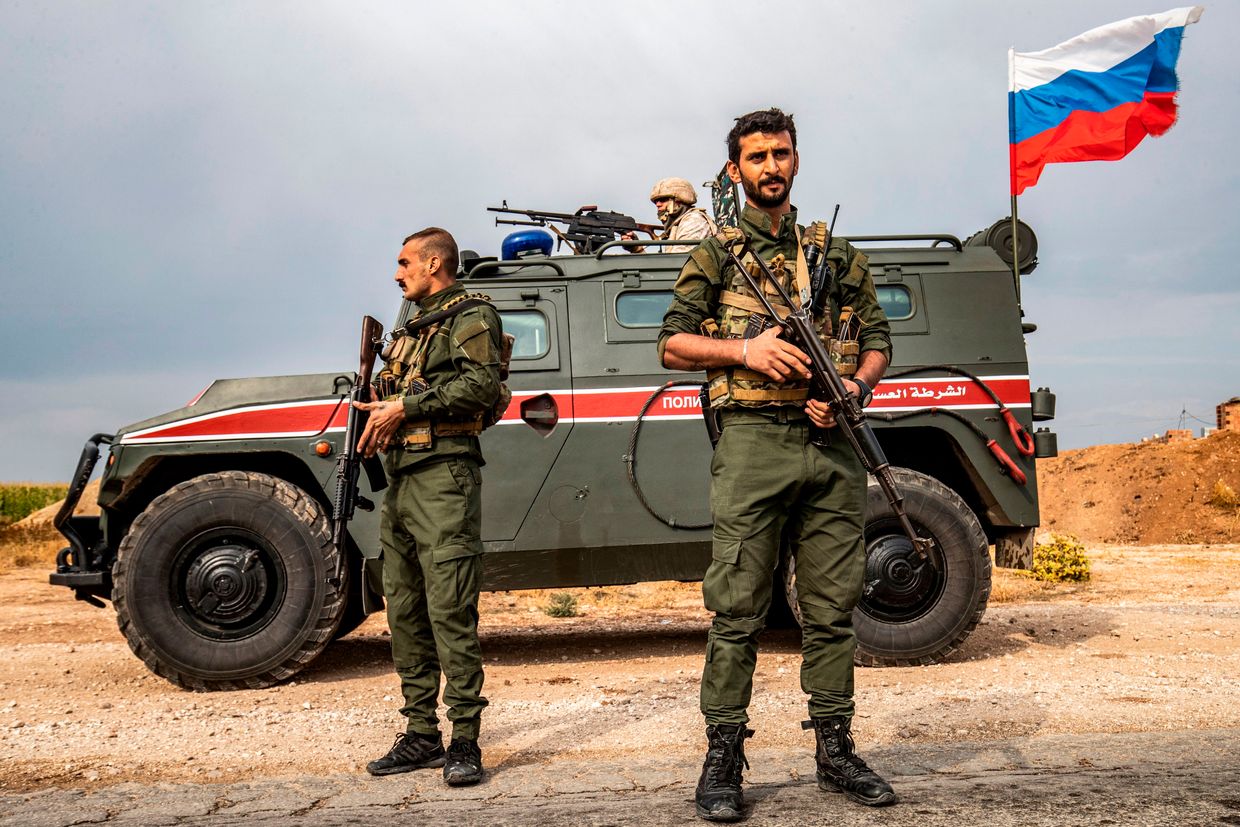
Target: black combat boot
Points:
x,y
840,768
464,764
718,796
411,751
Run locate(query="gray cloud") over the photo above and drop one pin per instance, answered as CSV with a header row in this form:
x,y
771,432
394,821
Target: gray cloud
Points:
x,y
203,190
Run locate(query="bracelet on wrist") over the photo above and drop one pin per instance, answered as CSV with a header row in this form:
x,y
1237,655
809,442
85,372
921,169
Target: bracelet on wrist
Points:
x,y
745,353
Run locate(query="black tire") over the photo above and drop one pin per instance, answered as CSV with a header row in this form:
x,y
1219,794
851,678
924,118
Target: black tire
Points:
x,y
906,618
222,582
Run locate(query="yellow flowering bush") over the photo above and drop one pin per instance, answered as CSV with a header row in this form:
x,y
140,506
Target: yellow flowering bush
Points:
x,y
1062,559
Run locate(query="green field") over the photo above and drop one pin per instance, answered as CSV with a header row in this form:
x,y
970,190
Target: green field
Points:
x,y
18,499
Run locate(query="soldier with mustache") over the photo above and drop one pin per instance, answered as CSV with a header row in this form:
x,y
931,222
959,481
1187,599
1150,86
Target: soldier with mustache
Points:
x,y
774,479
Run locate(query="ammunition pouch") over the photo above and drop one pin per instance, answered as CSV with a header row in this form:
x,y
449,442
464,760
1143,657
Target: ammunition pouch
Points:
x,y
404,362
419,434
743,315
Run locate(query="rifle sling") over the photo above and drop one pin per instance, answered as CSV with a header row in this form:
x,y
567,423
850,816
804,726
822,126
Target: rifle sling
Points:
x,y
414,325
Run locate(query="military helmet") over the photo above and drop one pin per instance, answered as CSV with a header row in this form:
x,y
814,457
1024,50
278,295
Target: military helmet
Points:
x,y
677,188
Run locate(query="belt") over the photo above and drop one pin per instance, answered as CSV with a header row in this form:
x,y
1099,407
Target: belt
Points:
x,y
784,414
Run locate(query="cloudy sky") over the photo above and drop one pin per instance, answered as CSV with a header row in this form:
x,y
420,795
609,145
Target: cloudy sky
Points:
x,y
198,190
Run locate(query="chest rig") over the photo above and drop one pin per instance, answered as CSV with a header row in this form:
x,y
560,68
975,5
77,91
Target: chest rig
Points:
x,y
741,315
404,374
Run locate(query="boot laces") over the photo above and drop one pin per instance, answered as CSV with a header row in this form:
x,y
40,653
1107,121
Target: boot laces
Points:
x,y
845,756
406,747
726,762
462,749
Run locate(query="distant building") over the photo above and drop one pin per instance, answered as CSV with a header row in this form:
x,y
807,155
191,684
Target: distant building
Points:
x,y
1228,414
1171,435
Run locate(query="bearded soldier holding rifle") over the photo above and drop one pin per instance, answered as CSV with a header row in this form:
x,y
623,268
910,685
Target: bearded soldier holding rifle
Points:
x,y
782,468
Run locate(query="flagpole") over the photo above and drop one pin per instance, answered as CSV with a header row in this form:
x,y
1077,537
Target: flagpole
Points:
x,y
1012,163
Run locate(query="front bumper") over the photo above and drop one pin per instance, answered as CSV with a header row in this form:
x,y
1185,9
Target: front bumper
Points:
x,y
80,566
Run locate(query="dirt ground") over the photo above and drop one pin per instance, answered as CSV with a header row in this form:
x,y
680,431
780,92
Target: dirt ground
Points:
x,y
1144,493
1148,645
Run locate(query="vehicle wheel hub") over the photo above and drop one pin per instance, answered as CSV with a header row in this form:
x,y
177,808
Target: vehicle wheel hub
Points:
x,y
225,584
896,578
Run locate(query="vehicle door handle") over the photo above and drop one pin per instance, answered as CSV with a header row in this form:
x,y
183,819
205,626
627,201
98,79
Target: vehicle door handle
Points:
x,y
540,413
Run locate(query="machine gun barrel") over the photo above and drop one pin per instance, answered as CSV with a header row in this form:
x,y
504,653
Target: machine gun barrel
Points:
x,y
827,382
349,461
537,215
587,229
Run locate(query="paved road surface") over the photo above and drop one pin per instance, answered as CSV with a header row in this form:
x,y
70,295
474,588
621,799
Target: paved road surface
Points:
x,y
1152,778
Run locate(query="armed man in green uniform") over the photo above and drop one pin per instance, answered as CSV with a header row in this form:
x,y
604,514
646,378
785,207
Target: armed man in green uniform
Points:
x,y
436,389
778,469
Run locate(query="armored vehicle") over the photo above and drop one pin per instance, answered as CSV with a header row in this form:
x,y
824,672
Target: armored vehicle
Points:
x,y
215,547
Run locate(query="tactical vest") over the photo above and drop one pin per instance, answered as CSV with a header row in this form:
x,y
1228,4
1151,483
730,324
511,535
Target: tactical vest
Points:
x,y
742,315
403,375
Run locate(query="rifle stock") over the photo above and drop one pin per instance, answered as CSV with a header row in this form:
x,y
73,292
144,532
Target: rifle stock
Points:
x,y
349,461
829,387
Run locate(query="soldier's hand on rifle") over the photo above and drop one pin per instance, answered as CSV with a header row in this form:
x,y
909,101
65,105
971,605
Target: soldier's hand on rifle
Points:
x,y
820,412
385,419
776,357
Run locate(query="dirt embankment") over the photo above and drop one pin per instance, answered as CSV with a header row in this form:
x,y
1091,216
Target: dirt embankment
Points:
x,y
42,519
1145,493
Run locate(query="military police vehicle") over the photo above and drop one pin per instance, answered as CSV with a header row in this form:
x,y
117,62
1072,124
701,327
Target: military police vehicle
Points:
x,y
215,543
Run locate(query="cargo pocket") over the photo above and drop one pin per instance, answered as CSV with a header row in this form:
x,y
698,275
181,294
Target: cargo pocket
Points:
x,y
462,522
727,588
452,603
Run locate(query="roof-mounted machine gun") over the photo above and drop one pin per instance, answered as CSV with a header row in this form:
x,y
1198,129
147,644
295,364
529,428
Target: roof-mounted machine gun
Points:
x,y
587,230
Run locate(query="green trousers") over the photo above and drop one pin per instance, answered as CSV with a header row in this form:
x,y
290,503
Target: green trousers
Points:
x,y
431,534
768,481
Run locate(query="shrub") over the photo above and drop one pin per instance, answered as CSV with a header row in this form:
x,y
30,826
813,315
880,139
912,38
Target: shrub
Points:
x,y
1224,496
17,500
1062,559
561,604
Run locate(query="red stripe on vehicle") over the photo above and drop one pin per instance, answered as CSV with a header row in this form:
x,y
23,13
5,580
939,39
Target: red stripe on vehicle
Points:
x,y
294,420
577,406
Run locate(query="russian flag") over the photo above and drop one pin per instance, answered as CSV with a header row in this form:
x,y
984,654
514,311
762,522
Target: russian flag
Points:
x,y
1096,96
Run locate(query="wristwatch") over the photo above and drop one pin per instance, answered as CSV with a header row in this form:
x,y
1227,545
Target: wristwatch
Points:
x,y
866,396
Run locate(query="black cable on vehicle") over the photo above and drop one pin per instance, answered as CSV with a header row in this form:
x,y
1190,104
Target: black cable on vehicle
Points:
x,y
1020,437
630,459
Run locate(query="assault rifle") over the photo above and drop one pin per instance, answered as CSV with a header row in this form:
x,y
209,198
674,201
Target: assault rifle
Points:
x,y
588,229
349,461
827,385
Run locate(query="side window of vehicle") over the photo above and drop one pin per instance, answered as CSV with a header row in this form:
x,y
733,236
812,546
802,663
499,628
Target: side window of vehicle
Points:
x,y
532,333
635,314
896,301
644,308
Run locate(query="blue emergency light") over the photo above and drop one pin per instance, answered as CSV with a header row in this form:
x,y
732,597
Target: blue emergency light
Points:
x,y
525,243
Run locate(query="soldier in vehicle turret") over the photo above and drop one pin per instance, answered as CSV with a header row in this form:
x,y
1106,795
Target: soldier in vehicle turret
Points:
x,y
770,471
436,388
674,200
